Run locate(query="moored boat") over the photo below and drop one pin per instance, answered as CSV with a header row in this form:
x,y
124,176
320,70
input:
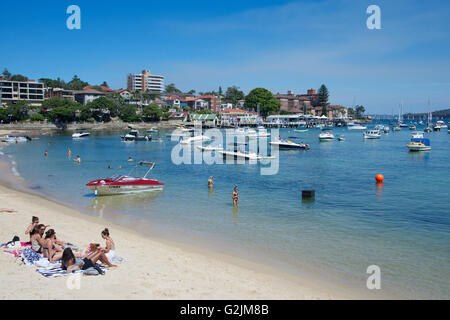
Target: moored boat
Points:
x,y
119,184
326,135
419,144
80,135
372,134
133,135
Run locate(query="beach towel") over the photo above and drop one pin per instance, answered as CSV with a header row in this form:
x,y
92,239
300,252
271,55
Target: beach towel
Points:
x,y
15,253
29,256
57,271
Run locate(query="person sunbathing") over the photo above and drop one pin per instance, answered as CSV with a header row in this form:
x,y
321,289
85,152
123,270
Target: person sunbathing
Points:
x,y
7,210
110,249
70,263
37,242
52,251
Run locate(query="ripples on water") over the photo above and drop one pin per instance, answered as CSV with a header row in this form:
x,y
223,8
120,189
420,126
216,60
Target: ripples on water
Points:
x,y
402,226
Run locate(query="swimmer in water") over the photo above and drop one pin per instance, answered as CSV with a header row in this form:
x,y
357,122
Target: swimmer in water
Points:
x,y
69,152
46,153
78,159
210,182
235,197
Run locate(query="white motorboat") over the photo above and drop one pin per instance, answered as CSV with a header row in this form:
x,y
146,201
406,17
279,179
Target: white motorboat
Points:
x,y
198,139
77,135
326,136
357,127
417,135
386,129
372,134
210,148
240,155
396,128
440,124
133,135
152,130
288,144
15,139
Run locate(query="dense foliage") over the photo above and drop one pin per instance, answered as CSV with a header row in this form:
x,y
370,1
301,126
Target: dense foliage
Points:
x,y
264,98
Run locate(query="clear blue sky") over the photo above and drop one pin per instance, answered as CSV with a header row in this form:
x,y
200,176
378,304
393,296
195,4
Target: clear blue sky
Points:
x,y
282,45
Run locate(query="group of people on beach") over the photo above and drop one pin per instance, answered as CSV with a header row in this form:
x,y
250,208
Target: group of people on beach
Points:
x,y
49,246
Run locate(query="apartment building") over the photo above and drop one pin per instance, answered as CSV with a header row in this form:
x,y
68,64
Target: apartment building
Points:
x,y
298,103
29,91
59,93
145,81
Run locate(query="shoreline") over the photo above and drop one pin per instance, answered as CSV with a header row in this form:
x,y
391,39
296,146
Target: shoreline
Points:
x,y
211,275
153,268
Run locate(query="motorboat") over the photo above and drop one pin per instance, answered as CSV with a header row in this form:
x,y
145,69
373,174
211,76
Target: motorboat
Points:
x,y
301,129
210,148
288,144
199,138
417,135
419,144
15,139
412,127
237,154
372,134
326,135
439,125
357,127
77,135
152,130
133,135
428,129
396,128
420,123
119,184
341,138
386,129
402,125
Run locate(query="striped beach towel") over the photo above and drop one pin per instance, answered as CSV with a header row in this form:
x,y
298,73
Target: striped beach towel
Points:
x,y
54,272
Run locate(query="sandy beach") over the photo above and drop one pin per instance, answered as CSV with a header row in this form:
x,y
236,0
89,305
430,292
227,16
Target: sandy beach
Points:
x,y
153,269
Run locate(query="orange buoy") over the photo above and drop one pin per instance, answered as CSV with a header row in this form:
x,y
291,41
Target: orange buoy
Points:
x,y
379,178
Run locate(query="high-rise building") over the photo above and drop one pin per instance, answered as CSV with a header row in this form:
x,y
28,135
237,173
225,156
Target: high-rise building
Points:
x,y
145,81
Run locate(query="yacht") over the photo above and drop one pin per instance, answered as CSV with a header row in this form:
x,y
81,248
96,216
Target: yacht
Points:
x,y
200,138
77,135
357,127
372,134
288,144
133,135
326,136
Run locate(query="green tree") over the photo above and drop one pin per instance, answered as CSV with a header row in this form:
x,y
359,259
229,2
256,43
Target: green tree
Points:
x,y
152,113
220,91
76,83
263,97
103,108
37,117
191,92
233,95
323,99
6,73
351,112
60,110
128,113
171,89
16,111
359,111
105,84
18,77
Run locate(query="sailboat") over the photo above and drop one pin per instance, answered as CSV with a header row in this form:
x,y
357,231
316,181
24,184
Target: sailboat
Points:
x,y
400,117
430,118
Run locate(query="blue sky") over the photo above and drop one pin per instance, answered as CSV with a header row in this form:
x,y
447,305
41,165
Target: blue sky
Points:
x,y
282,45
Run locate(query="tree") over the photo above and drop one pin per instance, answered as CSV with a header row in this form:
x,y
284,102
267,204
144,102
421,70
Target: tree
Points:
x,y
351,112
152,113
37,117
105,84
103,108
76,84
171,89
60,110
18,77
15,112
323,99
191,92
6,74
264,98
128,113
233,95
220,91
360,111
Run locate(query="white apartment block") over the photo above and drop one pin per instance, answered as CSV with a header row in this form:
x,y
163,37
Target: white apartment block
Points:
x,y
145,81
29,91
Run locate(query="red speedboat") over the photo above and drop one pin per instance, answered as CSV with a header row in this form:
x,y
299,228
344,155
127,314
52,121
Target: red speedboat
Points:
x,y
119,184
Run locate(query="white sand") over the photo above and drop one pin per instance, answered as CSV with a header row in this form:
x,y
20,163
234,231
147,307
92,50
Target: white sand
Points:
x,y
153,269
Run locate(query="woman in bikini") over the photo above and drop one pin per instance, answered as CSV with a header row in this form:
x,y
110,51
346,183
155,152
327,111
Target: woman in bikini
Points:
x,y
71,263
34,223
52,251
235,197
110,249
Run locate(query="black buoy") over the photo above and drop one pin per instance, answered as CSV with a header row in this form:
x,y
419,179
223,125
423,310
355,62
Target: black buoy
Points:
x,y
308,194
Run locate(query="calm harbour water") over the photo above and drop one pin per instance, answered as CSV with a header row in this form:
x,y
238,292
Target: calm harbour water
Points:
x,y
403,226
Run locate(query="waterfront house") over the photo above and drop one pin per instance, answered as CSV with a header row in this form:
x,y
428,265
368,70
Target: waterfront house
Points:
x,y
205,120
59,93
297,103
89,95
